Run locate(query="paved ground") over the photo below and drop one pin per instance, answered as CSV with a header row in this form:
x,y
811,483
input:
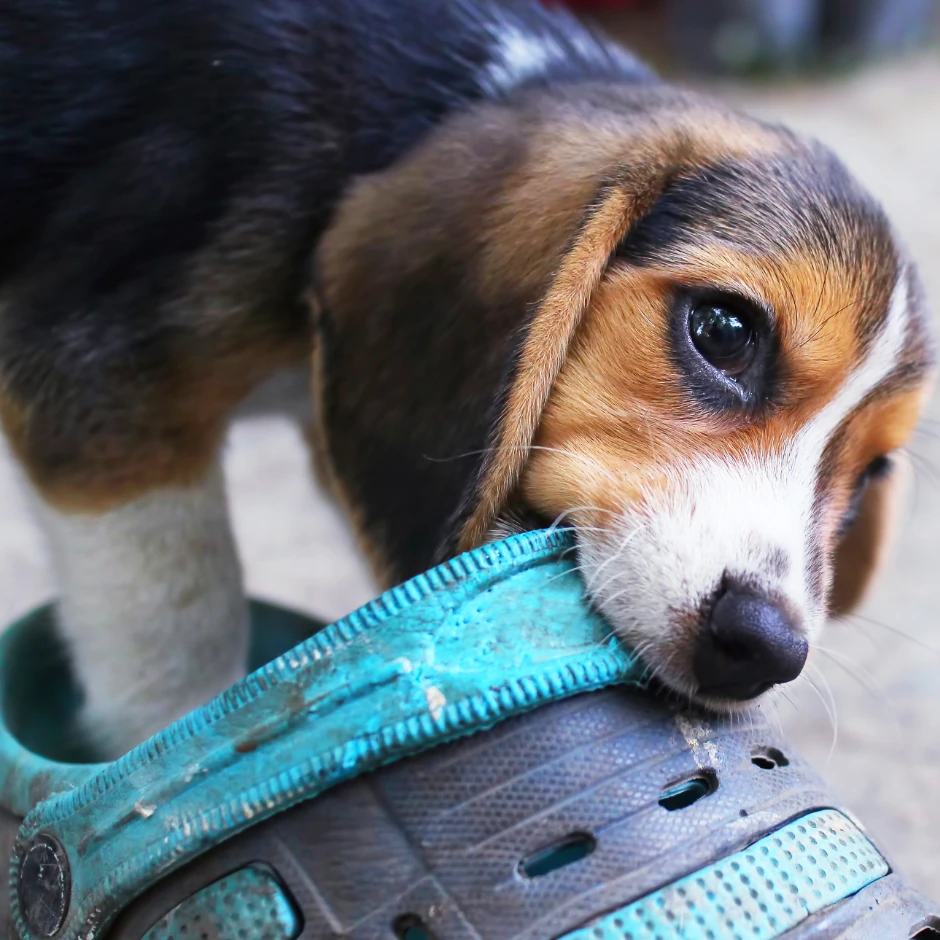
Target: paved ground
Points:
x,y
883,668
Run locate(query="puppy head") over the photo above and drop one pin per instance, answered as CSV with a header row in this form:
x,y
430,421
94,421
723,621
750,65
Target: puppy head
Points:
x,y
723,430
688,335
722,433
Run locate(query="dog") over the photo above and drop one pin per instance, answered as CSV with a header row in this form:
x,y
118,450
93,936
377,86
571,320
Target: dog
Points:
x,y
533,283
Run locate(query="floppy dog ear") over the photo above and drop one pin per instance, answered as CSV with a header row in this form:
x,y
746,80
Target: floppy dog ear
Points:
x,y
450,287
862,549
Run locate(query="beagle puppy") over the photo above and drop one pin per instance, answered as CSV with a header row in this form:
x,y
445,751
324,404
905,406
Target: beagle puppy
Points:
x,y
536,285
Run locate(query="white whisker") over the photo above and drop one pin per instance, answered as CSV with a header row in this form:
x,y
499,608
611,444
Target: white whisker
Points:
x,y
829,706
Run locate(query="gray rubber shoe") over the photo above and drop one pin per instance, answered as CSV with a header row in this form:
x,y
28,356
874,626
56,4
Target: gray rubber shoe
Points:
x,y
469,756
546,826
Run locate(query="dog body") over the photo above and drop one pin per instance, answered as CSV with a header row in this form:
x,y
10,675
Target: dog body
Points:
x,y
535,283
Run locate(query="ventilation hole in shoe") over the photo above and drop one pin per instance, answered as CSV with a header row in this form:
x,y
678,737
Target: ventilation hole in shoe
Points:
x,y
768,758
927,929
569,850
411,927
686,792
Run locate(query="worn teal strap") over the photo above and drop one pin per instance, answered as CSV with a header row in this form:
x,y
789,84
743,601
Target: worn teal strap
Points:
x,y
760,893
42,751
489,635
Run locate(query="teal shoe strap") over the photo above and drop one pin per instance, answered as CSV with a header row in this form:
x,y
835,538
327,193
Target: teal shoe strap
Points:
x,y
42,748
484,637
760,893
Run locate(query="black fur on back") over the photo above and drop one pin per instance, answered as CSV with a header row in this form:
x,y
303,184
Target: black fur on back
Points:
x,y
128,126
167,168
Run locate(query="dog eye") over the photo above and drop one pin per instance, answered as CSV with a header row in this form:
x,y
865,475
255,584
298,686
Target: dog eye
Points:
x,y
879,468
723,337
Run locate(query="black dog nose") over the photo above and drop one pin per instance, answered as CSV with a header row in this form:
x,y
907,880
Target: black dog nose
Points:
x,y
748,645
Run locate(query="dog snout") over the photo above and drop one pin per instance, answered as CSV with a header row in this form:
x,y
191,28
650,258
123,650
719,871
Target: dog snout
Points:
x,y
747,644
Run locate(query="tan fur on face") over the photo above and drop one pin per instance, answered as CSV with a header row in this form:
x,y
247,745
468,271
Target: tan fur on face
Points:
x,y
654,154
621,430
622,406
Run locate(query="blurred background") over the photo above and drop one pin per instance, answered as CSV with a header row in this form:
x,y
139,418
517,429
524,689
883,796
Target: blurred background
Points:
x,y
863,76
752,37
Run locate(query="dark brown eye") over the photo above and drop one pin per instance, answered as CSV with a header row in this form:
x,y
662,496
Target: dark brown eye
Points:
x,y
878,469
723,337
